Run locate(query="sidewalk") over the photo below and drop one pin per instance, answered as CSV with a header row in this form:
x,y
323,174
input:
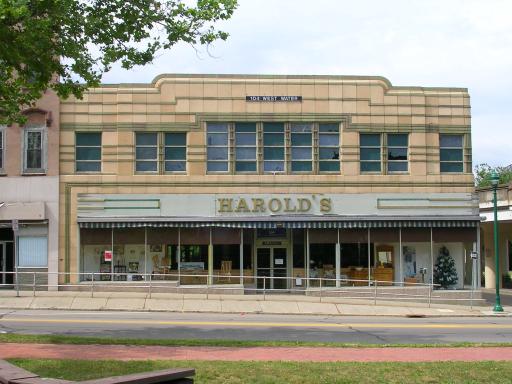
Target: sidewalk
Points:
x,y
271,304
316,354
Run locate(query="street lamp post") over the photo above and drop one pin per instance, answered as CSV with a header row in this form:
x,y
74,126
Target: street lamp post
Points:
x,y
495,179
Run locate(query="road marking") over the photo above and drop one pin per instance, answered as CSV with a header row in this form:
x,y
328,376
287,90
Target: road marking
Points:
x,y
249,324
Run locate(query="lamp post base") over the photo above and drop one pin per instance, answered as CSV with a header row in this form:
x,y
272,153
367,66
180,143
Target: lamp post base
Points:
x,y
498,308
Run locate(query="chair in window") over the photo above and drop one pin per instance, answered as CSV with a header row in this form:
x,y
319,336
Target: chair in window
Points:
x,y
225,271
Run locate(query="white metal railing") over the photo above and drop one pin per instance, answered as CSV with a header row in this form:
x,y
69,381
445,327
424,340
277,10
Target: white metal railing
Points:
x,y
351,289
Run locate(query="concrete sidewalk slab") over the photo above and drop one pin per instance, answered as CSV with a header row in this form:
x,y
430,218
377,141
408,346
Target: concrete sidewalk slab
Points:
x,y
89,303
52,302
164,305
235,306
202,306
122,304
16,302
281,307
318,308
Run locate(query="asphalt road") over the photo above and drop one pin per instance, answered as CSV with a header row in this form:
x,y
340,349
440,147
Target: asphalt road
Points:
x,y
159,325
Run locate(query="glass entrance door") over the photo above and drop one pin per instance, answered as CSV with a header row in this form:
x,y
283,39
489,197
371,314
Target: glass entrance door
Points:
x,y
271,264
6,263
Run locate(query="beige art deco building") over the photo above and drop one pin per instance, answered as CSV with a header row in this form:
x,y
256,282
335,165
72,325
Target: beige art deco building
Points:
x,y
265,177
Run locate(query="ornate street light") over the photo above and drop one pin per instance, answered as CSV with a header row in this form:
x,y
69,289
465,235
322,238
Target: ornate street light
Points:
x,y
495,180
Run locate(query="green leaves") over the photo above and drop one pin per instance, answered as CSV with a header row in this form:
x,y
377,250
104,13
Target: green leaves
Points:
x,y
484,171
67,45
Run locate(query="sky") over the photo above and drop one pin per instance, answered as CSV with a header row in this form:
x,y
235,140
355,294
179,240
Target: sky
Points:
x,y
453,43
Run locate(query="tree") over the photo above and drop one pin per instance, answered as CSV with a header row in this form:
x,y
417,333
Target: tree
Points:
x,y
67,45
445,273
484,171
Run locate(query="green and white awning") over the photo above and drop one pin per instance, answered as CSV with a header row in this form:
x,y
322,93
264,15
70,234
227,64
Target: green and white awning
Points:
x,y
283,222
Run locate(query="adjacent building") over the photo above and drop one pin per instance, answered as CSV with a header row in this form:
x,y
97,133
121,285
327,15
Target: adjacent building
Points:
x,y
253,180
29,193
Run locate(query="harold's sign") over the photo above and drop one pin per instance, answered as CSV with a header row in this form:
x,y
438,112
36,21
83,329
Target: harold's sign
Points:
x,y
288,205
274,98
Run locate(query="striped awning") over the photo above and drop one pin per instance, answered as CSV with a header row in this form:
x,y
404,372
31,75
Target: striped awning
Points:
x,y
285,222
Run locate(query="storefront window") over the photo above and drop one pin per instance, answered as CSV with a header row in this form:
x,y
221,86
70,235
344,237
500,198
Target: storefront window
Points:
x,y
194,258
298,248
245,147
273,147
329,148
218,147
301,151
451,153
397,152
370,147
356,255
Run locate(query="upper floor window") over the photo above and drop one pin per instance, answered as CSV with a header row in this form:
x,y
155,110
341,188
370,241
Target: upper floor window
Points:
x,y
175,152
451,153
88,151
245,147
273,147
302,147
397,149
370,152
34,150
217,151
329,148
146,152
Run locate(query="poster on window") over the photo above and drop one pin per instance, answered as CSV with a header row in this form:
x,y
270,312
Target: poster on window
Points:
x,y
409,261
107,255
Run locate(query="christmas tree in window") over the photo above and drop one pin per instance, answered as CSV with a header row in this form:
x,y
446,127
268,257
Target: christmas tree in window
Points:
x,y
445,273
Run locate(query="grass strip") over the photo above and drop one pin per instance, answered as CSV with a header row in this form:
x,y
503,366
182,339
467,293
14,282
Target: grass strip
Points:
x,y
213,372
86,340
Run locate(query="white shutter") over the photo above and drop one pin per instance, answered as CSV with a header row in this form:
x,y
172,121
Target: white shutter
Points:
x,y
33,251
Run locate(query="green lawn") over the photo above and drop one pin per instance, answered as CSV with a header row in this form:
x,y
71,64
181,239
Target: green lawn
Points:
x,y
284,372
57,339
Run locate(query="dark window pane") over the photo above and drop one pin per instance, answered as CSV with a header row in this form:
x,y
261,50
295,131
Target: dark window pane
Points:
x,y
397,140
245,127
273,166
245,166
217,166
397,154
329,166
88,139
145,153
370,140
329,153
246,153
175,166
34,140
217,139
301,153
451,167
245,139
176,139
329,140
301,166
88,153
217,127
88,166
370,153
175,153
34,159
146,139
329,128
145,166
451,154
397,166
301,139
220,153
367,166
273,153
273,139
450,141
273,127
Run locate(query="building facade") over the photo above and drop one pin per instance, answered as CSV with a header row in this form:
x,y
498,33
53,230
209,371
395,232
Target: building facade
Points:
x,y
266,178
29,192
504,203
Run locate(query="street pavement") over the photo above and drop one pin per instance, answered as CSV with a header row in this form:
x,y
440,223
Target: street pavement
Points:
x,y
289,327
